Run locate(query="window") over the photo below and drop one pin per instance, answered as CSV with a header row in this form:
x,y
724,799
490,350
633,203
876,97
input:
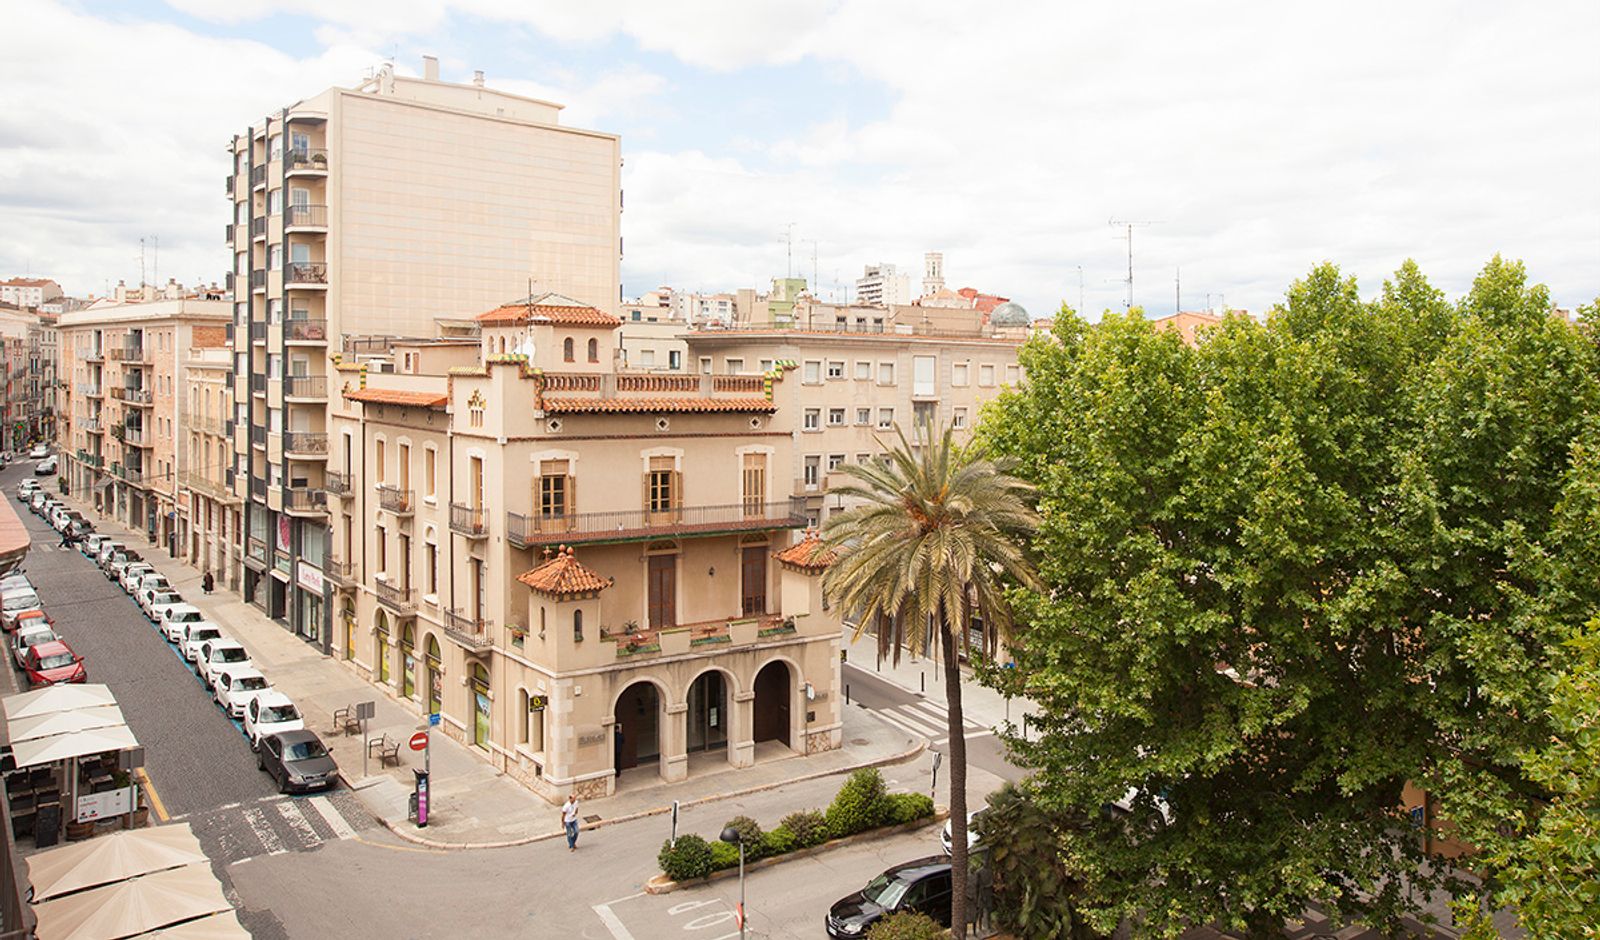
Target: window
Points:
x,y
430,561
577,626
274,146
1013,374
835,369
705,365
275,202
754,483
735,366
766,366
960,374
813,372
430,474
674,359
813,467
274,310
863,458
555,489
647,357
381,546
661,485
863,371
835,461
475,410
835,417
567,354
885,417
594,350
813,420
885,373
863,416
958,419
922,376
275,257
379,455
986,375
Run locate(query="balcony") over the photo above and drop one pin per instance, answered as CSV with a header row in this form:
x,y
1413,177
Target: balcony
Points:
x,y
95,355
310,332
470,633
137,396
258,435
304,501
306,387
200,483
258,229
228,182
307,444
306,162
258,279
258,488
258,383
93,426
258,177
298,218
206,424
138,437
400,600
470,521
341,573
337,484
258,331
641,525
313,274
93,391
395,500
227,230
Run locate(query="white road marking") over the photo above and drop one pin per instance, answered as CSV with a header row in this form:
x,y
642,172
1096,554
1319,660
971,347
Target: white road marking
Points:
x,y
612,922
263,830
918,720
330,814
903,726
677,909
296,818
709,920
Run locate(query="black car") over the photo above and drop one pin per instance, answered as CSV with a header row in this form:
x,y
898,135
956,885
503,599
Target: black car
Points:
x,y
298,762
922,886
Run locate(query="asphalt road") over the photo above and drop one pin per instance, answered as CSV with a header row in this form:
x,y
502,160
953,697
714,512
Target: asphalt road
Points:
x,y
909,710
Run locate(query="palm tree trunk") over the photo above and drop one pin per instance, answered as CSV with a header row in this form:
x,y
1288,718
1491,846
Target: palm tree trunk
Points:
x,y
957,749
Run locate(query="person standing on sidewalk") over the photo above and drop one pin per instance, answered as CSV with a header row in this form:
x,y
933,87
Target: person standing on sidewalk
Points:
x,y
569,820
207,582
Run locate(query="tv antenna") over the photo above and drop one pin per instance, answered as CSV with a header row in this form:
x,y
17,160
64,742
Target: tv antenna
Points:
x,y
1128,225
788,250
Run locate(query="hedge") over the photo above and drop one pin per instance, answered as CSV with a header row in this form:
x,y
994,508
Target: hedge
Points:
x,y
906,925
688,859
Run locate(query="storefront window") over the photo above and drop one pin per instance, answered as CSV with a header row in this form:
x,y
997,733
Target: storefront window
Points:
x,y
480,706
408,661
435,677
381,650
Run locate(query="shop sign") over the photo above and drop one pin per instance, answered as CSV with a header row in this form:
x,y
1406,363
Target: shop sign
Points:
x,y
309,578
105,805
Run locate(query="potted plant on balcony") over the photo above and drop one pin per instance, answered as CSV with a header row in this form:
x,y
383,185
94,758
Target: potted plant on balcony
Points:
x,y
319,160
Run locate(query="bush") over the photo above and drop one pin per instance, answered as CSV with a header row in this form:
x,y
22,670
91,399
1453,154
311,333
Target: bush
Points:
x,y
906,925
725,855
859,804
749,831
908,807
688,860
778,841
809,827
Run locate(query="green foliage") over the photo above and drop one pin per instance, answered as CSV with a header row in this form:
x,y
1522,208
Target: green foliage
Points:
x,y
859,805
906,925
749,833
726,855
778,841
1290,568
1036,895
907,807
689,859
810,827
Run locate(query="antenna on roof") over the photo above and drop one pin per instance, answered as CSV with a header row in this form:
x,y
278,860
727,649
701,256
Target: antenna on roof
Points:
x,y
788,250
1129,224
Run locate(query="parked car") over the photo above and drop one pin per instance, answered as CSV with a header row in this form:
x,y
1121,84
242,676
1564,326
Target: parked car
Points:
x,y
53,663
972,837
296,761
270,712
27,488
177,619
37,500
131,573
216,655
27,637
235,686
29,619
152,583
922,885
107,546
194,635
90,546
119,560
81,528
39,452
13,581
159,598
45,468
14,602
60,518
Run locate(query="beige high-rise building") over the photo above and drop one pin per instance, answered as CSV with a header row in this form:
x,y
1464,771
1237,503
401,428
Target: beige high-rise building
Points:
x,y
125,366
210,513
365,214
584,570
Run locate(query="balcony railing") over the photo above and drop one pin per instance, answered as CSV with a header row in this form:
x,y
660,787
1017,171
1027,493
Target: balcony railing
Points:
x,y
398,599
471,633
93,425
306,272
258,488
257,549
228,181
306,443
634,525
305,331
258,227
258,435
470,521
341,573
207,424
258,383
227,231
138,396
93,391
258,176
305,216
306,386
337,484
395,500
95,355
304,499
258,279
139,437
299,161
258,331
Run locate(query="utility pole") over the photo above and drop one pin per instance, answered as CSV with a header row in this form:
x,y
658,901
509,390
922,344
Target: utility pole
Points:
x,y
1177,290
1128,225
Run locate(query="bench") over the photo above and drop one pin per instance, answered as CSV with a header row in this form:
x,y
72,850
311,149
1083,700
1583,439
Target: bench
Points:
x,y
387,751
345,720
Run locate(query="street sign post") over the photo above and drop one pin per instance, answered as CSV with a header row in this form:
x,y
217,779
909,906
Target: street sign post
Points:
x,y
674,822
364,710
938,758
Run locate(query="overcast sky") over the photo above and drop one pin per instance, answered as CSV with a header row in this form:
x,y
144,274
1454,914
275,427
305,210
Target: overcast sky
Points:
x,y
1261,138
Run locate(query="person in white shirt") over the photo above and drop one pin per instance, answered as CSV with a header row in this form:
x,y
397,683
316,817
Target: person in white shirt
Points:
x,y
569,820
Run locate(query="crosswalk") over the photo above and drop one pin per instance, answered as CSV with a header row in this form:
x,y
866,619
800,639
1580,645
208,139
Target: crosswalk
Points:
x,y
929,720
278,824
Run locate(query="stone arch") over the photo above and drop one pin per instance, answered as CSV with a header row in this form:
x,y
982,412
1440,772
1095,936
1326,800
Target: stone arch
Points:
x,y
709,697
433,680
639,716
775,693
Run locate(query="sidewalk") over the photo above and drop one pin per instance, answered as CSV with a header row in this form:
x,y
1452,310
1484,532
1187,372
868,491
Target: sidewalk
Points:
x,y
925,677
472,805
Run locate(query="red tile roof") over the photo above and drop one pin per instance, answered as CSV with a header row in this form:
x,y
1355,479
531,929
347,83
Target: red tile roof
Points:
x,y
395,396
810,554
651,405
564,576
512,314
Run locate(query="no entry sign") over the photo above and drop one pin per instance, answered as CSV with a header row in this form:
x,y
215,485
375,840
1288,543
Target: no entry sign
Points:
x,y
419,740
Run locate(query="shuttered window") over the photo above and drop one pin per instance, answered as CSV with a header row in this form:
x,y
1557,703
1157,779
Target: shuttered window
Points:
x,y
755,483
555,494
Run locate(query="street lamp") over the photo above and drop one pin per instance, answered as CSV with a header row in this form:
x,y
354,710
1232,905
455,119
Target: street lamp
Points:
x,y
731,836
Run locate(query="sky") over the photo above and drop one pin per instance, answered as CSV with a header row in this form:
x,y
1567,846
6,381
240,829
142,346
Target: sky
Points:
x,y
1257,139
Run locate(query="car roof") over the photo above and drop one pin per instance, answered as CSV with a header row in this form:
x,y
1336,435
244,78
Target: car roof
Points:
x,y
36,628
195,626
274,697
918,867
241,671
225,640
184,608
32,613
51,648
295,737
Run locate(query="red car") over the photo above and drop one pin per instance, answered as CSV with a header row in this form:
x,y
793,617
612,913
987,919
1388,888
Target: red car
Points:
x,y
53,663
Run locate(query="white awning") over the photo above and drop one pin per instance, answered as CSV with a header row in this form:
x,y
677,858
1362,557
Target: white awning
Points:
x,y
115,857
132,907
76,744
82,719
216,927
56,698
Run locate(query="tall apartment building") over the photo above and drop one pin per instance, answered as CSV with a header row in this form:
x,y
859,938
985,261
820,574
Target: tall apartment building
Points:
x,y
125,366
882,285
210,513
584,570
15,383
364,214
43,351
28,291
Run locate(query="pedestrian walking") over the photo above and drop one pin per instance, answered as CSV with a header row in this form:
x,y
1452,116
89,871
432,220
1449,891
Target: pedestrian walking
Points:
x,y
207,582
569,820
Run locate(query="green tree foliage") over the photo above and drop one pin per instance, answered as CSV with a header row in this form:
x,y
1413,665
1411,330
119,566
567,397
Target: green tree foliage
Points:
x,y
859,805
1029,848
1291,568
906,925
810,827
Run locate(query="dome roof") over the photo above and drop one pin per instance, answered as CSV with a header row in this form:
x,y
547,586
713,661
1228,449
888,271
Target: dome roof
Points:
x,y
1010,314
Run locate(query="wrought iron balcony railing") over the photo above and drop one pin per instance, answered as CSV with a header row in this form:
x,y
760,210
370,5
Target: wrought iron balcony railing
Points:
x,y
526,531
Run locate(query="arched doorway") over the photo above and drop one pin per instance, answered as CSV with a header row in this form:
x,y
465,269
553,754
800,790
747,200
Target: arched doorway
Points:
x,y
381,646
435,676
708,712
774,690
408,660
636,738
480,706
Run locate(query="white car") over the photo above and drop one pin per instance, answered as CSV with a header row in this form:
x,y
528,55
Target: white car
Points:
x,y
37,500
219,654
150,584
39,452
235,687
15,602
269,713
27,488
91,544
156,600
26,637
118,560
46,467
195,637
131,573
972,837
177,619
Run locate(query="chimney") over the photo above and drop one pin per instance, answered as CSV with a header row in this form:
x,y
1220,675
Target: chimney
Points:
x,y
477,78
430,68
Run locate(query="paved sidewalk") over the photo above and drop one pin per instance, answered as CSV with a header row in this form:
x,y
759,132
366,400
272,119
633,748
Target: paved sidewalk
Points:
x,y
925,677
472,804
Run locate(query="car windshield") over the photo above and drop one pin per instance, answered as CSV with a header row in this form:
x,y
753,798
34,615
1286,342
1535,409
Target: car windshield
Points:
x,y
20,601
56,661
230,654
305,750
37,637
250,684
165,599
279,713
186,616
199,636
34,621
884,891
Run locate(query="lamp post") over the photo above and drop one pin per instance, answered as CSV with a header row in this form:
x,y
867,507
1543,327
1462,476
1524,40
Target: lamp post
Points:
x,y
731,836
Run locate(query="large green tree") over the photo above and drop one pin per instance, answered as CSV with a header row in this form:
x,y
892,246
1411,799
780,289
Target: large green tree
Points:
x,y
936,534
1289,569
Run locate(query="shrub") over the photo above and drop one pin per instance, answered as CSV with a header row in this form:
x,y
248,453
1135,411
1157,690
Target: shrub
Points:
x,y
778,841
859,805
906,925
725,855
749,831
810,827
908,807
689,859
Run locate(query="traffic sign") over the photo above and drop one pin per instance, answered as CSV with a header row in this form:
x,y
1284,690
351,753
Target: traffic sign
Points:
x,y
433,719
419,740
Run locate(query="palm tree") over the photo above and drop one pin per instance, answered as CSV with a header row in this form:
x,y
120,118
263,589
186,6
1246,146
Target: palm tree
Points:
x,y
936,535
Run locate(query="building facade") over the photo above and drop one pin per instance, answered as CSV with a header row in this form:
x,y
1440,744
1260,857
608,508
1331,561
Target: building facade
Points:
x,y
43,378
210,513
882,285
29,292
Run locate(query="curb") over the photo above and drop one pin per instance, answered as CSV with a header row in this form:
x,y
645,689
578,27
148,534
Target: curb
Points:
x,y
399,827
661,884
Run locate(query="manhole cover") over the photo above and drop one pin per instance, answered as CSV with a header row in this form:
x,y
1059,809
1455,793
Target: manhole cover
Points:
x,y
860,742
591,819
